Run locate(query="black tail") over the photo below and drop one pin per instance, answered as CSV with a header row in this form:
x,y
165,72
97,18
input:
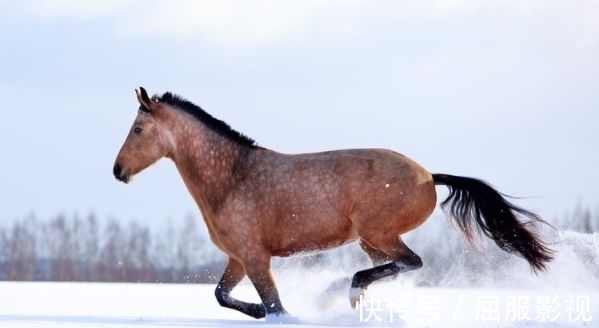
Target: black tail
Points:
x,y
474,201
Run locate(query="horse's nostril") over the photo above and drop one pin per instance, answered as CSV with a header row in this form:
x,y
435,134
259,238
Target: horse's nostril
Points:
x,y
117,171
121,174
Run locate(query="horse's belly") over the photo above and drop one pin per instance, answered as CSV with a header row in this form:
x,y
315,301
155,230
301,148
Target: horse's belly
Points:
x,y
307,238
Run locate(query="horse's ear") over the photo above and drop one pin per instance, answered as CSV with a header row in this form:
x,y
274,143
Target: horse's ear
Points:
x,y
144,100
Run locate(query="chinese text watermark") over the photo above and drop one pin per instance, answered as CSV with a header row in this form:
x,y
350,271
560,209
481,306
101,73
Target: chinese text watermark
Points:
x,y
540,308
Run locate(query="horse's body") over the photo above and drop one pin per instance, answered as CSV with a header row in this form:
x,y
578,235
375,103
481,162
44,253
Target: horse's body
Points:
x,y
324,198
258,203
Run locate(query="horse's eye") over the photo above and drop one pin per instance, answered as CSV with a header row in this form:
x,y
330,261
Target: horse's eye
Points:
x,y
137,130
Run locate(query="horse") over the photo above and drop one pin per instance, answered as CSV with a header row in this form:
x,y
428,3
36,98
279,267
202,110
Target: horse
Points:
x,y
258,203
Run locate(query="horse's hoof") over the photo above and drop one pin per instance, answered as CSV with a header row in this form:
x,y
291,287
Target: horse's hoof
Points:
x,y
355,296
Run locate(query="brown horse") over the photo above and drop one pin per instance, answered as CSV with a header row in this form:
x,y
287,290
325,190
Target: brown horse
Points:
x,y
258,203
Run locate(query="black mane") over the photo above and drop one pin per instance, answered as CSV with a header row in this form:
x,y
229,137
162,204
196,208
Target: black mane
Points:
x,y
216,125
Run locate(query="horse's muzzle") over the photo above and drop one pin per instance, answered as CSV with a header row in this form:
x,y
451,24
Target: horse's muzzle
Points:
x,y
120,175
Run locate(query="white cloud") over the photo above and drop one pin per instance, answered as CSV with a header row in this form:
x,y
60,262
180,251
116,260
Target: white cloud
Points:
x,y
258,22
74,9
233,23
444,7
227,22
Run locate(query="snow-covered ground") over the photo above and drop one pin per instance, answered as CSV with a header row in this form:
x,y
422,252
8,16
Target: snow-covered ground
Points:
x,y
48,305
459,286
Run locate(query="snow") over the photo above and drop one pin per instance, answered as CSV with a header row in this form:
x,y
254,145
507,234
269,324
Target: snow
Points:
x,y
68,305
459,286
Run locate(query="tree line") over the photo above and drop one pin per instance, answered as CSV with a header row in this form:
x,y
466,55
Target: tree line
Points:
x,y
581,219
83,249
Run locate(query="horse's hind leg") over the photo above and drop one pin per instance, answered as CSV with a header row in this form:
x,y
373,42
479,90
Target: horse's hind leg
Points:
x,y
377,257
403,259
234,273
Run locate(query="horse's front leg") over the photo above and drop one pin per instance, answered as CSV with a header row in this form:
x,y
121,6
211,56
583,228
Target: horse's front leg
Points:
x,y
234,273
258,270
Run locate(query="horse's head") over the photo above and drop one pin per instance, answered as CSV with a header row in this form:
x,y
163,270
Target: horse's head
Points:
x,y
147,142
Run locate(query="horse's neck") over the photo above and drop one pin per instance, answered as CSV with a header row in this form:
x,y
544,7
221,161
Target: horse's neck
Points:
x,y
206,162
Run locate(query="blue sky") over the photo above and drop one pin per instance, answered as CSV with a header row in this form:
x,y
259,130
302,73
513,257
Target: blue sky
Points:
x,y
506,91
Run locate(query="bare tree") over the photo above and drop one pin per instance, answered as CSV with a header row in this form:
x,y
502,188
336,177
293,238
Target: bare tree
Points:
x,y
76,249
64,246
90,240
138,253
21,250
111,253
